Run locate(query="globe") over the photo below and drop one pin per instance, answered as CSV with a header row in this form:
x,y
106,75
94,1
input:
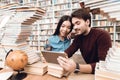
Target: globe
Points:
x,y
17,59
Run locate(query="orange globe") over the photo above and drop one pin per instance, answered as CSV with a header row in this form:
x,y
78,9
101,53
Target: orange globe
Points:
x,y
17,59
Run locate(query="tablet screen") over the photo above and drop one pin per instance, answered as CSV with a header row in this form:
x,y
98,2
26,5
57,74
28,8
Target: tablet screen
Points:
x,y
51,56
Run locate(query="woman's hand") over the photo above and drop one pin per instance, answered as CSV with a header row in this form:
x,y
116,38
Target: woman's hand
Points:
x,y
71,35
67,64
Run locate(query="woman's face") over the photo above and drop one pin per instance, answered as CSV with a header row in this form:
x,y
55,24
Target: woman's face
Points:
x,y
65,28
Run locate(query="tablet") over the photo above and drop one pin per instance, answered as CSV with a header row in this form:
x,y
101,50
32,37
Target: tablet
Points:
x,y
51,56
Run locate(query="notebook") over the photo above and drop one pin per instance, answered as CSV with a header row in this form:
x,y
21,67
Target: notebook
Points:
x,y
51,56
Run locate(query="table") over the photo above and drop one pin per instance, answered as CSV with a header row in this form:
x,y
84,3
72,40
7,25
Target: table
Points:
x,y
72,76
81,76
44,77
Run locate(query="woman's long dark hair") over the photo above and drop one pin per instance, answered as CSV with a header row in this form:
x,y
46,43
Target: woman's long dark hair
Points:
x,y
63,18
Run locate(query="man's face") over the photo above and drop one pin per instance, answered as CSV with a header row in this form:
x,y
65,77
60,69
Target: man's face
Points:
x,y
80,26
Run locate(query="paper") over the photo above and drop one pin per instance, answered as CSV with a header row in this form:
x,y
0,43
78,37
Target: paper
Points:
x,y
5,75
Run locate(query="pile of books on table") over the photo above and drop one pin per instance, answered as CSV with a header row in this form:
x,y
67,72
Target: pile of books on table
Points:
x,y
17,29
110,68
37,68
40,68
55,70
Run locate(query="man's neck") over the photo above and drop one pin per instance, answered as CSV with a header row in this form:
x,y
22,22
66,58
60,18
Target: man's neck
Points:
x,y
87,31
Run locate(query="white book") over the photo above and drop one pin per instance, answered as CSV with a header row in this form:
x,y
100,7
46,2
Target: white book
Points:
x,y
54,74
102,71
37,68
5,75
32,55
56,70
112,61
4,21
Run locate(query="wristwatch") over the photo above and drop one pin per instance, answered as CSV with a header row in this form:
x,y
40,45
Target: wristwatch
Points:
x,y
77,69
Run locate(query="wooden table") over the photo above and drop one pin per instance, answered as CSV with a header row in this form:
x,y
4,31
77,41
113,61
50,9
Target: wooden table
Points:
x,y
72,76
81,76
44,77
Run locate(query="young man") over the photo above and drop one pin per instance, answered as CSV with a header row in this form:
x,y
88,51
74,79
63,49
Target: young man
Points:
x,y
92,42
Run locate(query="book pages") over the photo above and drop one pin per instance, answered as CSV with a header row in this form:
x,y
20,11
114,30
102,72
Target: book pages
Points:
x,y
110,68
15,27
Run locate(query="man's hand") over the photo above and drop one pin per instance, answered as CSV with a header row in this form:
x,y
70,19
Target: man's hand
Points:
x,y
67,64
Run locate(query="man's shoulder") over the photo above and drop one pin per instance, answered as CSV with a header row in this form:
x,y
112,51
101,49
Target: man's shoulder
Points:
x,y
100,31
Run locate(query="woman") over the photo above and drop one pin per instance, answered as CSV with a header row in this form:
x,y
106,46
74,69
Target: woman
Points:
x,y
59,41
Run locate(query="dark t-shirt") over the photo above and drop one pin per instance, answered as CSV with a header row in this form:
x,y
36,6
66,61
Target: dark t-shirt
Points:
x,y
93,46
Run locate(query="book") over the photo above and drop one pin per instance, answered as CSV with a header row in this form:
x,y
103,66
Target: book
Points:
x,y
5,75
17,31
104,73
37,68
56,70
112,59
32,54
110,68
2,57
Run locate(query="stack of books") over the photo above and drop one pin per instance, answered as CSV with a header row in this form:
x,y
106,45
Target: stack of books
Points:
x,y
110,68
32,54
113,59
37,68
17,29
56,70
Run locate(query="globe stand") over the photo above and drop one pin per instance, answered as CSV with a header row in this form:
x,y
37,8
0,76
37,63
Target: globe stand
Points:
x,y
19,76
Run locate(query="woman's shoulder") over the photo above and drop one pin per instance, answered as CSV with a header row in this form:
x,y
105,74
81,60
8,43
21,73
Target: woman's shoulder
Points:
x,y
54,38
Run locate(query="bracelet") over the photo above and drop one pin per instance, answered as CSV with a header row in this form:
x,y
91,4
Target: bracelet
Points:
x,y
77,69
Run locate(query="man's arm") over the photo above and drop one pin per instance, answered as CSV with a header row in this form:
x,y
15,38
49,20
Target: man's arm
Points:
x,y
70,66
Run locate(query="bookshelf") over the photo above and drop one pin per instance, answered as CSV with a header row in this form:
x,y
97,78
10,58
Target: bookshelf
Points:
x,y
106,17
100,21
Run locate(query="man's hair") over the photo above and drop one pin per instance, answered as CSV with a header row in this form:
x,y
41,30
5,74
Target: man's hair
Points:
x,y
82,14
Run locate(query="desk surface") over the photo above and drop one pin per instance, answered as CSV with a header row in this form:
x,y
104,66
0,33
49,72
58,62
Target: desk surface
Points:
x,y
72,76
81,76
44,77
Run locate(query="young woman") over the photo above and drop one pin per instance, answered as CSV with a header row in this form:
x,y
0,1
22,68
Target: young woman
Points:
x,y
59,41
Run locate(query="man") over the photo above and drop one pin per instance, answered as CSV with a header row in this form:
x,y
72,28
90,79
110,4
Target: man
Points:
x,y
92,42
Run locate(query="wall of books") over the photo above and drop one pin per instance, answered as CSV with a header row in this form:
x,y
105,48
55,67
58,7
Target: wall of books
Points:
x,y
100,21
45,27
